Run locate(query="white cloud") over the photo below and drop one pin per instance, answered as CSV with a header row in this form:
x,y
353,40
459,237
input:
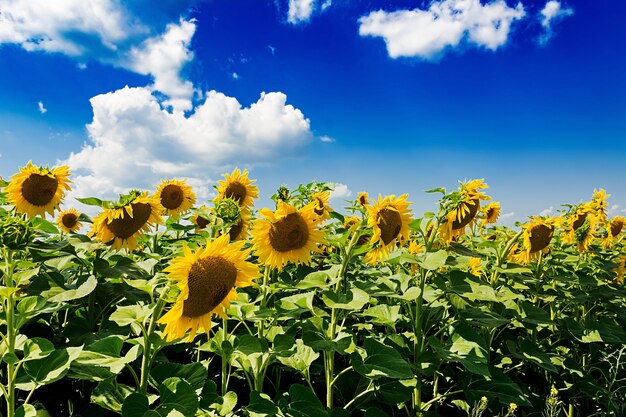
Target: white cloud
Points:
x,y
300,11
326,4
272,49
547,212
163,57
340,192
613,209
553,11
445,24
327,139
135,142
235,76
41,107
505,216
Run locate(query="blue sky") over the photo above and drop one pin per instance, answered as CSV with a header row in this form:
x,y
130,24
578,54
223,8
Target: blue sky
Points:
x,y
386,97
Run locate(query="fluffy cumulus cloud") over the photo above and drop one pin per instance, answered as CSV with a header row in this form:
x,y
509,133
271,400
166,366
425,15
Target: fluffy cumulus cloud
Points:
x,y
301,11
428,33
340,192
136,142
552,12
104,30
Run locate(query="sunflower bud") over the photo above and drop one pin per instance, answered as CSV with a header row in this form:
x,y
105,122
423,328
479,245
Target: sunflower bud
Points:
x,y
282,194
228,210
15,233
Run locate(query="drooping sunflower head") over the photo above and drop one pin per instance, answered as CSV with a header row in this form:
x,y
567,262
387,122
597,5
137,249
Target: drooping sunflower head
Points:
x,y
613,230
490,213
471,190
389,221
237,186
620,270
129,220
363,199
68,220
351,222
36,190
175,197
585,232
207,279
599,205
475,266
319,206
536,236
239,230
285,235
460,208
574,220
200,220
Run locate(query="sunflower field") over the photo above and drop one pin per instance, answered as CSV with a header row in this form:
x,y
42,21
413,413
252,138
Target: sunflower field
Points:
x,y
162,307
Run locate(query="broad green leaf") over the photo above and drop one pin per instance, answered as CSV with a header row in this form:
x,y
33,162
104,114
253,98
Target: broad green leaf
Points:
x,y
47,370
135,405
37,348
383,314
470,349
194,373
177,394
354,300
498,386
83,290
304,403
261,405
301,359
377,360
434,260
26,410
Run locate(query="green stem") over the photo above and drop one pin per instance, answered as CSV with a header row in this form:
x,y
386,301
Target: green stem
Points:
x,y
224,358
10,339
146,360
419,341
264,295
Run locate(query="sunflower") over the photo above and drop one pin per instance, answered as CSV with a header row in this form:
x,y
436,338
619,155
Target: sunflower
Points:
x,y
207,280
36,190
238,187
619,271
123,224
286,235
598,204
613,230
490,213
415,248
389,220
536,236
68,220
320,207
351,223
175,197
475,266
574,221
239,231
363,199
585,233
465,203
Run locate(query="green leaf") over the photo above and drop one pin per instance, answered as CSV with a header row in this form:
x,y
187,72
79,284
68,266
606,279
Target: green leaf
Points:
x,y
135,405
377,360
194,373
301,359
498,386
317,279
73,294
433,260
304,403
133,315
26,410
354,300
470,349
110,395
37,348
384,314
47,370
177,394
261,405
393,391
92,201
229,401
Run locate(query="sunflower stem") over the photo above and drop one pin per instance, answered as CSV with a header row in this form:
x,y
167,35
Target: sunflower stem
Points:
x,y
10,339
146,360
264,295
224,357
418,346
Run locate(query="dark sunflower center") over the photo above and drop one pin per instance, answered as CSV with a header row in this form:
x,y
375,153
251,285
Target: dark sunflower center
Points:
x,y
69,220
540,236
237,191
467,217
127,226
235,230
201,222
580,219
616,227
490,212
171,197
289,233
390,224
362,200
319,208
209,282
39,189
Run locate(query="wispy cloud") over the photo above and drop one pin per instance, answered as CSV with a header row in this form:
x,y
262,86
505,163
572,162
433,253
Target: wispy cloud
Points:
x,y
340,192
429,33
41,107
552,12
547,212
327,139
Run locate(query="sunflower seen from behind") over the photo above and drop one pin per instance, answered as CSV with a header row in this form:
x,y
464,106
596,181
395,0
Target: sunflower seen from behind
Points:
x,y
175,197
320,207
614,229
460,209
286,235
389,220
536,236
239,187
68,220
123,224
207,279
37,190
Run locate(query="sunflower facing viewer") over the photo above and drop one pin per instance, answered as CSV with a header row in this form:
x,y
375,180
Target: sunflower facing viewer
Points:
x,y
176,197
389,220
68,220
36,190
125,223
207,279
238,187
286,235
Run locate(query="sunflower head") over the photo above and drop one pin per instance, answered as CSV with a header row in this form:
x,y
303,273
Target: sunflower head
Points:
x,y
490,213
415,248
37,190
599,205
68,220
16,233
351,222
475,266
619,271
175,197
207,279
363,199
228,210
127,221
585,232
536,236
319,206
239,230
460,208
237,186
389,221
285,235
613,230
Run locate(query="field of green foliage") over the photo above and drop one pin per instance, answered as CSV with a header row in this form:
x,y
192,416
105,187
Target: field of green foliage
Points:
x,y
161,306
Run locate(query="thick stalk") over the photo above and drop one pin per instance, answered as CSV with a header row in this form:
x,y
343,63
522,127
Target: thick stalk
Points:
x,y
264,295
329,357
10,339
224,358
419,342
146,360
